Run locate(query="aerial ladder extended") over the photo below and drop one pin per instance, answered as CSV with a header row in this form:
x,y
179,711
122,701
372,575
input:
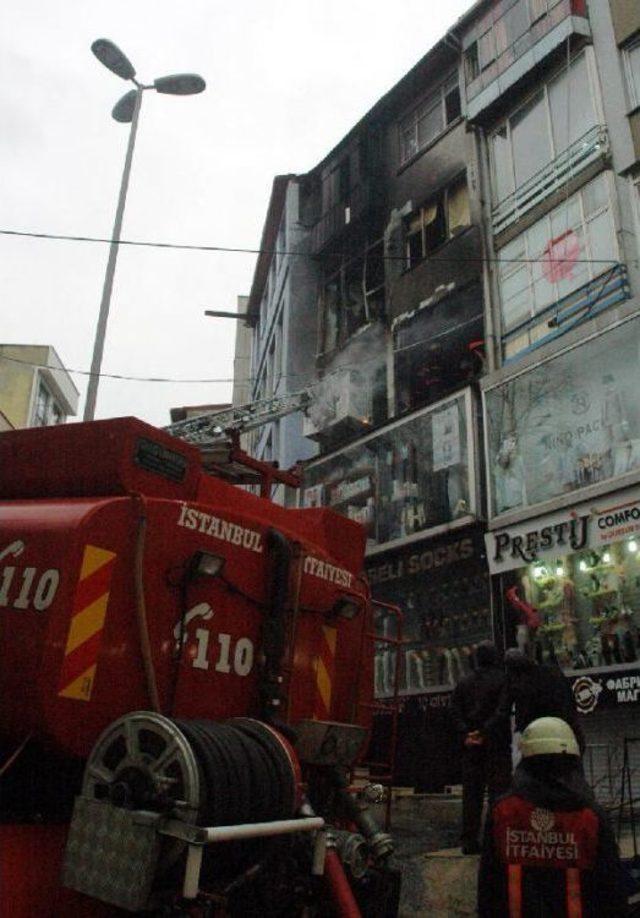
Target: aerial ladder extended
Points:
x,y
217,435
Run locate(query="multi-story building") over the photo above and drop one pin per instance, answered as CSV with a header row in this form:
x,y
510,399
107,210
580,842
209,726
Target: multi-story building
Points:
x,y
281,311
35,388
551,93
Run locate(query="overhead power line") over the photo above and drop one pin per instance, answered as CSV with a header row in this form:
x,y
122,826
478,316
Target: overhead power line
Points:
x,y
123,376
240,250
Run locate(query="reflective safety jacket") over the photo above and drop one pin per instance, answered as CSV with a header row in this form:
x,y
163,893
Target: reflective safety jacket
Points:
x,y
540,862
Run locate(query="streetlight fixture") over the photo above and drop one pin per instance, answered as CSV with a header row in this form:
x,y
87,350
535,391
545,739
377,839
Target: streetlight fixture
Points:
x,y
125,111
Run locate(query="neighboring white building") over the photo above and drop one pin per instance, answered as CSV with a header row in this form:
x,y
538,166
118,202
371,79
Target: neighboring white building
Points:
x,y
281,311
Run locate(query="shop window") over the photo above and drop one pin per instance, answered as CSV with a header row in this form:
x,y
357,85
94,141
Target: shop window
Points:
x,y
429,119
439,220
568,423
446,614
632,62
404,479
589,605
570,246
559,114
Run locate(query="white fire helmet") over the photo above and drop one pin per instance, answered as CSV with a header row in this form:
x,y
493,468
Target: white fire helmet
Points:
x,y
548,736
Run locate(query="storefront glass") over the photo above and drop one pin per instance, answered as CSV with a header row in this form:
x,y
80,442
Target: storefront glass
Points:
x,y
589,606
565,424
442,588
405,480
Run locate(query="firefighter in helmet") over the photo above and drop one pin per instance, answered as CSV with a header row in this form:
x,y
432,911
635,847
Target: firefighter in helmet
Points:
x,y
548,848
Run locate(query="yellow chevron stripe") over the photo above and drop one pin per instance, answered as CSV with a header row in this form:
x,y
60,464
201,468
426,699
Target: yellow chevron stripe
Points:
x,y
86,622
93,559
324,684
81,687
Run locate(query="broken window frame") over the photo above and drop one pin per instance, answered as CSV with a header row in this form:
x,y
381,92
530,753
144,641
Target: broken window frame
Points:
x,y
360,273
410,142
417,224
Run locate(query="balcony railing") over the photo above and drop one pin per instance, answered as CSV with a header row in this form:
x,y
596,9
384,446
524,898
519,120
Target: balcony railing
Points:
x,y
334,220
600,293
591,147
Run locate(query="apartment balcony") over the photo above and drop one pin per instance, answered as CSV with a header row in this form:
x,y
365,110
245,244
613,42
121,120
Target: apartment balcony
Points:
x,y
511,40
591,148
332,223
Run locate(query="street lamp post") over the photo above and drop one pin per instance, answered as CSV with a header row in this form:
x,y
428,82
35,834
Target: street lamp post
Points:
x,y
126,111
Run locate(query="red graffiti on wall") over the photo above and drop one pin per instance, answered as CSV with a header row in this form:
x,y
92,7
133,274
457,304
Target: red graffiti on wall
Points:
x,y
560,256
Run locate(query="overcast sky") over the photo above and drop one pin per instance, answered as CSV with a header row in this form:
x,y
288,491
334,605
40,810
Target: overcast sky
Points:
x,y
285,81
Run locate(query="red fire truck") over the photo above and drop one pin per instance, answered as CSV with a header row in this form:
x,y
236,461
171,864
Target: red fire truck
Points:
x,y
185,688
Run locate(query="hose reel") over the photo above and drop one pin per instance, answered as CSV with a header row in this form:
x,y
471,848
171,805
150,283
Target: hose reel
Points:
x,y
203,772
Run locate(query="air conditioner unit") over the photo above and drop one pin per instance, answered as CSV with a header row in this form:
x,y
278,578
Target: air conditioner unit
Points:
x,y
342,405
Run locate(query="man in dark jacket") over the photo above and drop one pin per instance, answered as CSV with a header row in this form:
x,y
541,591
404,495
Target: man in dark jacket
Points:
x,y
548,848
534,690
486,759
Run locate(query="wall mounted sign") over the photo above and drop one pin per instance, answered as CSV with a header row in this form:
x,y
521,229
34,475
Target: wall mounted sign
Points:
x,y
595,524
595,691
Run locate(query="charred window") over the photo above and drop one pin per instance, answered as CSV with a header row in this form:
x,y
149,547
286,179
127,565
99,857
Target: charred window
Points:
x,y
443,217
352,295
438,349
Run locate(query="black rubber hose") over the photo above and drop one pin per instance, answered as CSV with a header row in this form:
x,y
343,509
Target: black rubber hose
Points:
x,y
278,764
247,774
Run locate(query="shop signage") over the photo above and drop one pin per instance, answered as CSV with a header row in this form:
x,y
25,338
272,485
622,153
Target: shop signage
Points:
x,y
435,557
606,689
589,525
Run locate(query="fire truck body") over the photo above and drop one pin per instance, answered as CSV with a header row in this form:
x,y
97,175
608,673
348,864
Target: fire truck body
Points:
x,y
164,638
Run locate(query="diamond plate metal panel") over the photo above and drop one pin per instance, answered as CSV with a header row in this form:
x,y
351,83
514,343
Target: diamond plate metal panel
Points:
x,y
110,856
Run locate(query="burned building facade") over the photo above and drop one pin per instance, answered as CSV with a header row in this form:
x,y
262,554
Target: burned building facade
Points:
x,y
401,324
477,352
